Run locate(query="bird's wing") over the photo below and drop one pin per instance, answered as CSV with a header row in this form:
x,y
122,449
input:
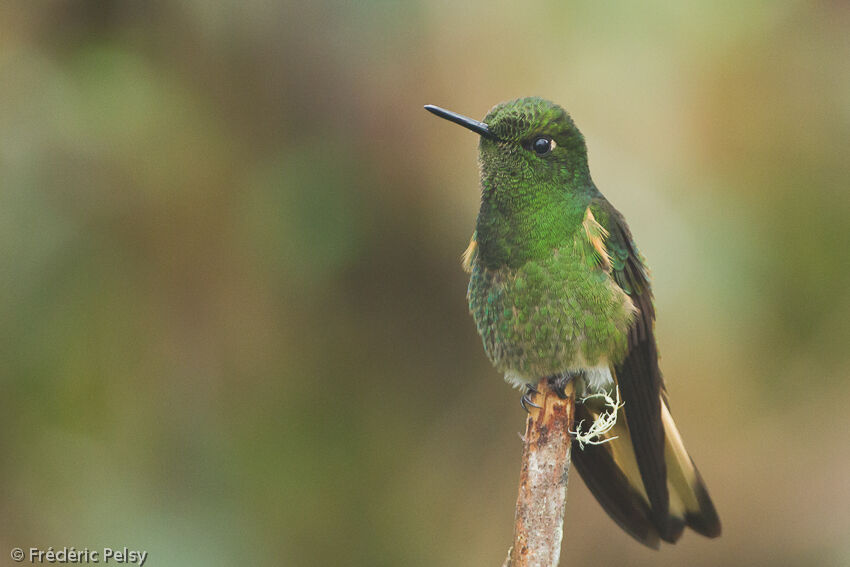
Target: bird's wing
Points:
x,y
652,466
638,375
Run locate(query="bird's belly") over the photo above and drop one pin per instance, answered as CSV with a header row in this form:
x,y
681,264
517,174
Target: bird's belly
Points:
x,y
549,316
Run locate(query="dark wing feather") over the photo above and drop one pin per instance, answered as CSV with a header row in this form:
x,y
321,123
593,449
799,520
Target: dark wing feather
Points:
x,y
638,374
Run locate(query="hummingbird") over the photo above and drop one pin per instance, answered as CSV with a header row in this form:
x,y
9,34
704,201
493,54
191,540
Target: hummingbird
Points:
x,y
558,290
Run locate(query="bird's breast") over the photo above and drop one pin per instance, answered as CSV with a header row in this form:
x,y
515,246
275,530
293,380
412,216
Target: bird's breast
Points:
x,y
548,315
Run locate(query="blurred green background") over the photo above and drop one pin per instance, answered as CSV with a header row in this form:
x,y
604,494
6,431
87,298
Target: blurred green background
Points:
x,y
233,319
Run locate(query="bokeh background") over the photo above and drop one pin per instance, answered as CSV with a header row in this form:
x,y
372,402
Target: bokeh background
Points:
x,y
233,326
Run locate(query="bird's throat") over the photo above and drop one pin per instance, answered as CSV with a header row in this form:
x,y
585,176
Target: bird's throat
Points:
x,y
513,229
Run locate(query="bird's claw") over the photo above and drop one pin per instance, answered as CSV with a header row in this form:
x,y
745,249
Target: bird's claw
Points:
x,y
559,382
525,400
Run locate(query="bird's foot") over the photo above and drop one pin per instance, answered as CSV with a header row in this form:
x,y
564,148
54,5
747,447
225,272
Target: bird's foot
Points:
x,y
525,400
559,382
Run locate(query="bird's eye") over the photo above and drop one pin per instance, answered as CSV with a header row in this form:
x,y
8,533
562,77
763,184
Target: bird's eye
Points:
x,y
543,145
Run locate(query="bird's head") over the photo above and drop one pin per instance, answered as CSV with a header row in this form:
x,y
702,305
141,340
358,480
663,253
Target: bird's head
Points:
x,y
527,144
535,184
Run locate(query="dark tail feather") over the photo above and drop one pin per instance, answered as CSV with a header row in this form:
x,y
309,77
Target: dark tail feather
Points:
x,y
705,521
607,482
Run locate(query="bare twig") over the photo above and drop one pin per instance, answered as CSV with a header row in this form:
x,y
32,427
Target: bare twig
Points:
x,y
539,522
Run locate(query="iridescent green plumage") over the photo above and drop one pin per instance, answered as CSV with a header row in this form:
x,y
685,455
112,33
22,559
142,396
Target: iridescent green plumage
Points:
x,y
540,291
530,205
550,315
558,290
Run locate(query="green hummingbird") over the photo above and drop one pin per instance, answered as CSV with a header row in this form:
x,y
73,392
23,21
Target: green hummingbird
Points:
x,y
558,290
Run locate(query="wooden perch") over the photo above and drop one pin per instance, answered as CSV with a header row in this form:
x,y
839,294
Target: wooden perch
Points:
x,y
539,521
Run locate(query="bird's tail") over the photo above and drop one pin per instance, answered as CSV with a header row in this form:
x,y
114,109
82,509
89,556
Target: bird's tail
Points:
x,y
610,471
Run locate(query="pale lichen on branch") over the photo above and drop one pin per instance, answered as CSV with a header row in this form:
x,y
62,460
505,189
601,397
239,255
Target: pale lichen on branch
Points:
x,y
605,422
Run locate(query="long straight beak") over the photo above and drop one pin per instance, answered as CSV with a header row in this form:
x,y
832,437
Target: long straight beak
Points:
x,y
474,125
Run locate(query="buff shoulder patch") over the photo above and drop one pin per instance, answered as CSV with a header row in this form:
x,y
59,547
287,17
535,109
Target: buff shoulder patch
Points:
x,y
596,235
469,255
